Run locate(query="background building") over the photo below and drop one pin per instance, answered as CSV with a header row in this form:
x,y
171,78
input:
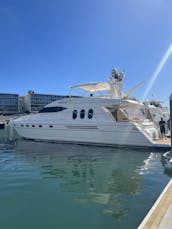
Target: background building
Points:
x,y
34,102
9,103
21,104
31,102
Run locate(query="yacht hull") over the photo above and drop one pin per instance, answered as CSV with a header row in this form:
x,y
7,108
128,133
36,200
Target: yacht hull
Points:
x,y
121,134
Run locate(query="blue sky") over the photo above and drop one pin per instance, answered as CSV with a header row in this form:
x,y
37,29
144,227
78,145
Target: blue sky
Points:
x,y
48,45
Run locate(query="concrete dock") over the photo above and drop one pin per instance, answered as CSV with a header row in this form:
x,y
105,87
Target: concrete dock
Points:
x,y
160,215
163,141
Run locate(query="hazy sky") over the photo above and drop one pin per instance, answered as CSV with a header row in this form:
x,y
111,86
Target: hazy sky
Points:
x,y
48,45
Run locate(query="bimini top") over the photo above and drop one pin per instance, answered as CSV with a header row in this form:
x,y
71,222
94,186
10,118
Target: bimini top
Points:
x,y
113,86
93,87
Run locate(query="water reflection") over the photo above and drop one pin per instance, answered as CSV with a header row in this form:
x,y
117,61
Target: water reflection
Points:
x,y
91,187
97,175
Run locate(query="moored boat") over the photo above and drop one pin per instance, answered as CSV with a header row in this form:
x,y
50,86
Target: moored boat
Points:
x,y
97,120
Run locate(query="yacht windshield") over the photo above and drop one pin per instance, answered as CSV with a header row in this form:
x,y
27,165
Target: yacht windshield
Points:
x,y
52,109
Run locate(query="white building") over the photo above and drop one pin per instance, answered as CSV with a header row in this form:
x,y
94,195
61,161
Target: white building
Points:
x,y
33,102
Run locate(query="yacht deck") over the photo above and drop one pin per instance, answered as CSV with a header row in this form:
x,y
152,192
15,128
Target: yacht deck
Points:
x,y
163,141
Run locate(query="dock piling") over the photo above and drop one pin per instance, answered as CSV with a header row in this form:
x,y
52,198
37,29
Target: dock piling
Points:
x,y
171,119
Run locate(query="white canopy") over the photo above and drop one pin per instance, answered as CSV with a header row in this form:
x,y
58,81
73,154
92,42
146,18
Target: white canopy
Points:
x,y
93,87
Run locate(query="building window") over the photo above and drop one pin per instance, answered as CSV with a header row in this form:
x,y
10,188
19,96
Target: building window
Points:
x,y
90,113
52,109
82,113
74,114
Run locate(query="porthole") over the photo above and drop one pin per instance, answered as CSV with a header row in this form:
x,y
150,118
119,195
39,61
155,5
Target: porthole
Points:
x,y
27,125
51,126
82,113
74,115
40,125
22,125
33,125
90,113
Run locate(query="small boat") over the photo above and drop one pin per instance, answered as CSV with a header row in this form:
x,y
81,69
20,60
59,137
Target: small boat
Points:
x,y
167,159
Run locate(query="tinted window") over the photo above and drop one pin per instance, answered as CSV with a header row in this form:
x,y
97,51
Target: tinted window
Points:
x,y
82,114
74,114
52,109
90,113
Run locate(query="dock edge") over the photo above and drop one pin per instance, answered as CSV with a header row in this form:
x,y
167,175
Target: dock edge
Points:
x,y
153,218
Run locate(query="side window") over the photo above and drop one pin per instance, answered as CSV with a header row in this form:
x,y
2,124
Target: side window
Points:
x,y
52,109
82,113
90,113
74,115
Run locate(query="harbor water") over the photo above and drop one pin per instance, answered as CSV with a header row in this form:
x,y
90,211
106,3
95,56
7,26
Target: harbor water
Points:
x,y
65,186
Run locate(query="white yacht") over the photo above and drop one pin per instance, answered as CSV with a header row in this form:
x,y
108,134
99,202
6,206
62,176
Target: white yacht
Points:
x,y
101,120
158,111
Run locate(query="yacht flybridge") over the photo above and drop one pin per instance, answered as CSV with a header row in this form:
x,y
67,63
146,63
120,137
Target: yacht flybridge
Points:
x,y
101,120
